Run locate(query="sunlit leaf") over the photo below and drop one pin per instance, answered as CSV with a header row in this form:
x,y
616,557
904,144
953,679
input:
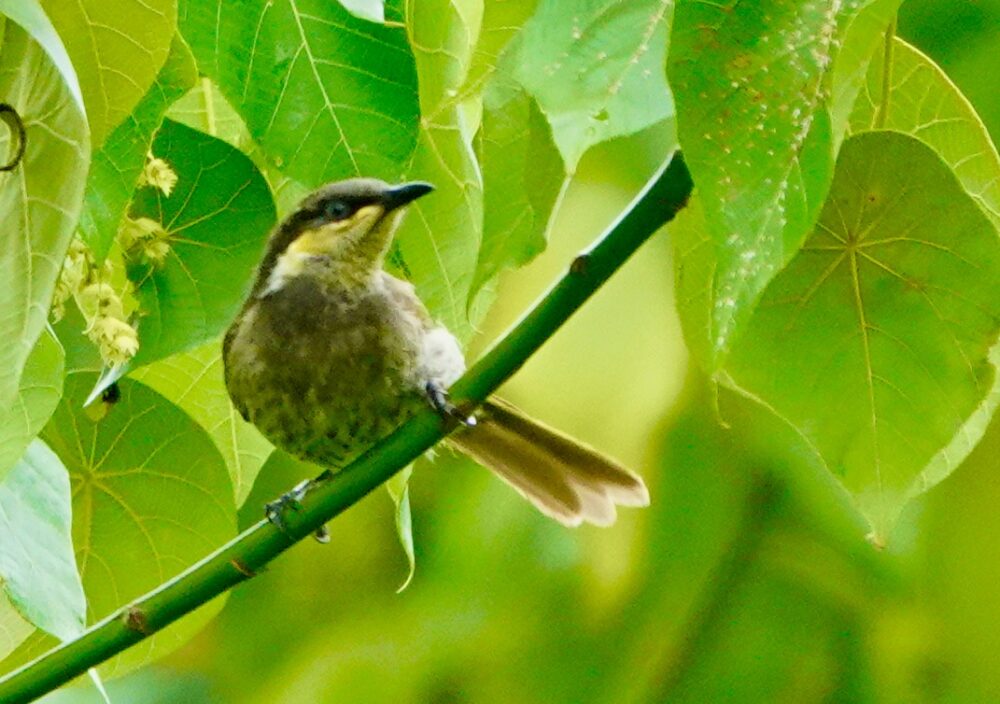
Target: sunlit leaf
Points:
x,y
925,103
37,397
753,84
596,68
501,23
441,235
399,491
194,382
373,10
117,48
151,495
14,629
40,198
218,217
117,165
37,567
325,94
874,342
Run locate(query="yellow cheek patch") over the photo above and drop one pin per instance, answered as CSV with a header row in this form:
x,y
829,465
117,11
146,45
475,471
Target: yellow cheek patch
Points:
x,y
323,240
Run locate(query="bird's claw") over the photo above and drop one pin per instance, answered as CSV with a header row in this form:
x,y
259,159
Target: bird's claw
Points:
x,y
274,510
438,398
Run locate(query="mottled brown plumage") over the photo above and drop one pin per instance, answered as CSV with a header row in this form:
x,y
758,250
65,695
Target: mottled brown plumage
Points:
x,y
330,353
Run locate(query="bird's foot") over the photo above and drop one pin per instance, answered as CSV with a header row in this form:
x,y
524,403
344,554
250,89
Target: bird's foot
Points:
x,y
438,398
275,510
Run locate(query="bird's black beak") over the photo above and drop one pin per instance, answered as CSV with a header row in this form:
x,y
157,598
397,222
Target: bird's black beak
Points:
x,y
398,196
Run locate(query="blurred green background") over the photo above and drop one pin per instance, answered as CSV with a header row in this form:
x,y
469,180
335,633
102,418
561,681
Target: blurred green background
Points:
x,y
747,580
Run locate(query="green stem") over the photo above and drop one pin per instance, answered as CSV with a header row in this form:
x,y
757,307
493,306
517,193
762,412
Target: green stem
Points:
x,y
882,114
250,551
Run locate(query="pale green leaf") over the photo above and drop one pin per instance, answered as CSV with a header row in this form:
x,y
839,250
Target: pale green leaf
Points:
x,y
373,10
399,492
37,567
40,198
500,25
923,102
32,18
441,235
117,165
151,495
14,629
874,342
37,397
325,94
218,218
596,68
753,83
194,382
117,48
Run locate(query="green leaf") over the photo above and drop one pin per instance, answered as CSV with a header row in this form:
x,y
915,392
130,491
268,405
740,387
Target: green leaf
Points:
x,y
32,18
752,83
522,174
151,495
218,218
37,397
399,492
194,382
37,567
117,48
874,341
373,10
501,23
117,165
40,198
14,630
325,94
441,235
927,105
596,68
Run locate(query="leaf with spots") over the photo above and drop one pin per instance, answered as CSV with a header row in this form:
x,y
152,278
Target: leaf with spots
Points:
x,y
119,162
596,68
441,235
117,48
753,85
194,382
151,496
874,342
37,567
37,397
217,219
924,103
326,95
40,198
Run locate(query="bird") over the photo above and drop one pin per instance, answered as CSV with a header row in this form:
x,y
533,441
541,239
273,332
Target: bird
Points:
x,y
330,353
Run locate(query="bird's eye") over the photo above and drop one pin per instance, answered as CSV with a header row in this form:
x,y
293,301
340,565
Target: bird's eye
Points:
x,y
336,209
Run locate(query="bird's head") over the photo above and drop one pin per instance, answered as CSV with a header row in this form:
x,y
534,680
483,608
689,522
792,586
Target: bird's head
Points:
x,y
350,222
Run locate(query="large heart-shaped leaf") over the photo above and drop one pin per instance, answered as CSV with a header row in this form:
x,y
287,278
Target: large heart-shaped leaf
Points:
x,y
117,48
40,198
874,342
217,218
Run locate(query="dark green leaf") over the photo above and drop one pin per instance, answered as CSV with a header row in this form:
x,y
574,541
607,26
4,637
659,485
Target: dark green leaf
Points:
x,y
218,218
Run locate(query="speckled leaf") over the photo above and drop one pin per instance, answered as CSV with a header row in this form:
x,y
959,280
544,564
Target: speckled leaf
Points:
x,y
37,397
874,341
37,568
117,48
522,176
149,489
927,105
218,217
194,382
325,94
596,68
753,85
440,237
40,198
117,165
